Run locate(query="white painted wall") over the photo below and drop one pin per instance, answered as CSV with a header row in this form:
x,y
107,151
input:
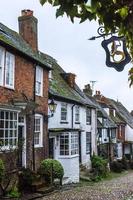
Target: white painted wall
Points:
x,y
71,163
128,133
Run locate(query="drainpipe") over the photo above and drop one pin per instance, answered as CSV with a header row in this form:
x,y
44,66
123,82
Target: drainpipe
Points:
x,y
72,115
34,100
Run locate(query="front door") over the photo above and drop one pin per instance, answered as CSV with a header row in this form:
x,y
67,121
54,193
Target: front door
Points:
x,y
51,147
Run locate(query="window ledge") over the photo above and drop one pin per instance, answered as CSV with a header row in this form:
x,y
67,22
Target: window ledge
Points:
x,y
38,146
64,122
68,157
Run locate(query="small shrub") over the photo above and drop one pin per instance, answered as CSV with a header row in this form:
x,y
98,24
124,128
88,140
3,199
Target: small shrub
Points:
x,y
99,167
14,193
26,178
125,164
116,166
131,164
51,169
2,170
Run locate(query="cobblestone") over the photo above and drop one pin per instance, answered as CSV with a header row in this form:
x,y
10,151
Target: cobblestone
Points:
x,y
116,189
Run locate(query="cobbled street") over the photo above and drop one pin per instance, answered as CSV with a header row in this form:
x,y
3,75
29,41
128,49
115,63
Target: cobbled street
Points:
x,y
120,188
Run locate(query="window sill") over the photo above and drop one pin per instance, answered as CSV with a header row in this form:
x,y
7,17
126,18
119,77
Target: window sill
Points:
x,y
77,122
38,146
68,156
8,87
87,123
64,122
39,95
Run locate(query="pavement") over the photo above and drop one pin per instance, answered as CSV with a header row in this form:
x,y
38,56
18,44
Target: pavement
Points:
x,y
120,188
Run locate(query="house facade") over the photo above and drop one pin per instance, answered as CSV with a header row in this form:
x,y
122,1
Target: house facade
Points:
x,y
124,121
106,129
72,129
23,93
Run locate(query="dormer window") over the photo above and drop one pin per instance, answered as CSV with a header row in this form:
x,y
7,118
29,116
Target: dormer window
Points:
x,y
39,81
7,65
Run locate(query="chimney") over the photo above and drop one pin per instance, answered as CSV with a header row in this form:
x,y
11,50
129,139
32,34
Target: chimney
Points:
x,y
70,79
28,28
98,95
87,90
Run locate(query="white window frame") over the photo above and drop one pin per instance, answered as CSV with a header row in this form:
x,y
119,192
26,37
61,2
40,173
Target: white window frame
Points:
x,y
88,143
7,67
39,132
2,54
64,111
9,127
77,114
39,81
88,116
70,144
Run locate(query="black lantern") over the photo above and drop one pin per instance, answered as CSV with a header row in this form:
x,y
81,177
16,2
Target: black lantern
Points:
x,y
52,107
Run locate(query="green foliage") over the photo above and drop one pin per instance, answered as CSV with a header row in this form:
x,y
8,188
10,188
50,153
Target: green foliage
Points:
x,y
116,166
26,178
51,169
113,14
14,193
2,170
125,164
99,166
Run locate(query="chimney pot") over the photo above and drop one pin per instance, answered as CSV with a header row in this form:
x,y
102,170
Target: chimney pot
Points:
x,y
27,12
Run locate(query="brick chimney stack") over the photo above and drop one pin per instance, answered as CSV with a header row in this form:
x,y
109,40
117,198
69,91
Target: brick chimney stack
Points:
x,y
70,79
28,28
87,90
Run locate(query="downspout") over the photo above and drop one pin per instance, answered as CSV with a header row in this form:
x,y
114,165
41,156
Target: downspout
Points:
x,y
72,115
34,100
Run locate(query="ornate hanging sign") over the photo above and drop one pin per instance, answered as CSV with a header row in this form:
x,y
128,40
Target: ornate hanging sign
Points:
x,y
117,55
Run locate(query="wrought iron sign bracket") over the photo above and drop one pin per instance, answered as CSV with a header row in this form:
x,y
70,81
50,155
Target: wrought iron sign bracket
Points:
x,y
115,48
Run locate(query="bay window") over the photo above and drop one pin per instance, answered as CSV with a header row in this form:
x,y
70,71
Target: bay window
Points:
x,y
8,129
69,144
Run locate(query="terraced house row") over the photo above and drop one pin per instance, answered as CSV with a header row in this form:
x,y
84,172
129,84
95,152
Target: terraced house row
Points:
x,y
81,125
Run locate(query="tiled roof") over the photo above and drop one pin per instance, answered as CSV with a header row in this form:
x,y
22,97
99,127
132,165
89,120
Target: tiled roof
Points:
x,y
60,88
102,113
15,41
123,112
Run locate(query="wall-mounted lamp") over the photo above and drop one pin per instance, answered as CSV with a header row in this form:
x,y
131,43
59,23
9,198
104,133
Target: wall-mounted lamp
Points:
x,y
52,107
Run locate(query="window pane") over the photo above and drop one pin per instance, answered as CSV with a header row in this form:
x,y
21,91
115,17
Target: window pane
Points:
x,y
64,144
8,128
74,144
9,70
39,81
88,142
63,112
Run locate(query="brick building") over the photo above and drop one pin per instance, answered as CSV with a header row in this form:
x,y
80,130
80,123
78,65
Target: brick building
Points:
x,y
23,92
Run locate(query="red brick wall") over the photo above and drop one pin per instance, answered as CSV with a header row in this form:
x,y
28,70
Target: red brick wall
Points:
x,y
24,83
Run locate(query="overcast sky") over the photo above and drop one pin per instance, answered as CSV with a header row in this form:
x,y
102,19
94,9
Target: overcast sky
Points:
x,y
68,44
